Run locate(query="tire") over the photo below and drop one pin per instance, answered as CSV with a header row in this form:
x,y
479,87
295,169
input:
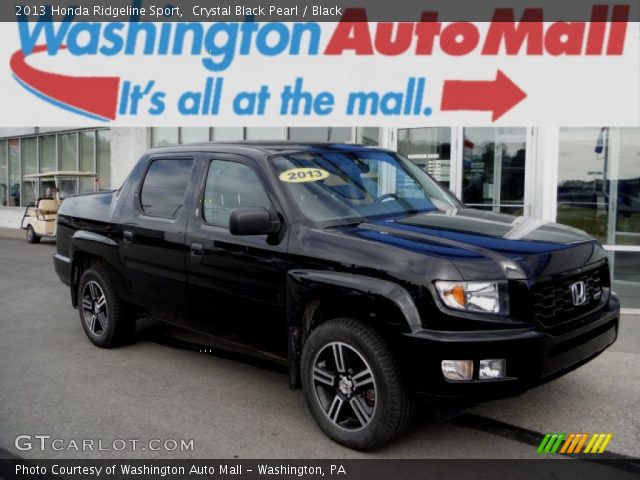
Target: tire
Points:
x,y
359,409
32,236
103,316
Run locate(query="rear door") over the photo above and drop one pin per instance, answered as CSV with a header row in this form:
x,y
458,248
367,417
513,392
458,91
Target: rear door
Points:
x,y
236,283
153,238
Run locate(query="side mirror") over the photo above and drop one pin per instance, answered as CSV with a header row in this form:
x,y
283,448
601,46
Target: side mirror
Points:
x,y
253,221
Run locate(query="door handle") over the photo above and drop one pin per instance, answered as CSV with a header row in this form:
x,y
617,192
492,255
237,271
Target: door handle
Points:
x,y
197,249
127,236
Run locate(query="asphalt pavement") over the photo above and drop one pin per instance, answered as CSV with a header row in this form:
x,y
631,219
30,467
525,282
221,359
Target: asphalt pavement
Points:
x,y
53,382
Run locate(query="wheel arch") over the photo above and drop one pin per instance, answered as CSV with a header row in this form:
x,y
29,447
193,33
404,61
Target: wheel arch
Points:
x,y
314,297
90,249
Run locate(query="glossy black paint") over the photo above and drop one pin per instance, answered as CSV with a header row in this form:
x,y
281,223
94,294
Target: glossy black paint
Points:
x,y
266,292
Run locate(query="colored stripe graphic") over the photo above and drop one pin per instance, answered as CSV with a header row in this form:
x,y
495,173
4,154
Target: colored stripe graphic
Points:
x,y
578,447
94,97
590,444
551,442
574,442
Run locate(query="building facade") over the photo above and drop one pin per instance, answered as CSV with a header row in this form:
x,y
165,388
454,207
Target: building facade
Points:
x,y
588,178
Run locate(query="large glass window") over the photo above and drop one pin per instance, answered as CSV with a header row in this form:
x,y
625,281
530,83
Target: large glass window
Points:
x,y
599,192
15,176
164,136
4,174
369,136
231,185
625,268
581,185
264,133
48,153
599,183
69,151
625,188
164,187
194,134
103,158
29,166
222,134
320,134
85,150
430,149
87,158
494,168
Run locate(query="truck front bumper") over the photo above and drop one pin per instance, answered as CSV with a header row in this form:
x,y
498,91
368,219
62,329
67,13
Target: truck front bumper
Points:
x,y
532,356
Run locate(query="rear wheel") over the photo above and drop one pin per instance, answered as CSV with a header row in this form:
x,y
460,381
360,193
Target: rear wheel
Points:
x,y
103,316
32,236
352,385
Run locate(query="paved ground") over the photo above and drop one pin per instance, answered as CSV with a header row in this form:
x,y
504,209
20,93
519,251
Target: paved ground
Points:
x,y
53,381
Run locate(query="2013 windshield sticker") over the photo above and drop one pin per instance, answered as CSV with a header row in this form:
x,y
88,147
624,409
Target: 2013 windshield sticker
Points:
x,y
302,175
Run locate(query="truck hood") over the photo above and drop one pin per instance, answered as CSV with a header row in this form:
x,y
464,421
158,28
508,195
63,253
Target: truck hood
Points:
x,y
481,243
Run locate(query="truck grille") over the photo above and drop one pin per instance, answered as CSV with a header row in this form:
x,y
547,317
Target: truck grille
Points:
x,y
553,300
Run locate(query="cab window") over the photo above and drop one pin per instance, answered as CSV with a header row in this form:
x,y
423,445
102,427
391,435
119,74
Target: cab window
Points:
x,y
231,185
164,187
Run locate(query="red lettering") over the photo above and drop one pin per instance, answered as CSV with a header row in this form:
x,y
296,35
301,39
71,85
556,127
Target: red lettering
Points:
x,y
564,38
386,45
352,33
530,35
618,31
595,39
459,38
504,29
426,31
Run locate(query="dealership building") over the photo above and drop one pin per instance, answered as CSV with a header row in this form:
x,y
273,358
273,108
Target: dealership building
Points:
x,y
585,177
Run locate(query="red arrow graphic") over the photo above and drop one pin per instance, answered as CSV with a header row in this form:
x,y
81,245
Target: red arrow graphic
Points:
x,y
498,96
93,95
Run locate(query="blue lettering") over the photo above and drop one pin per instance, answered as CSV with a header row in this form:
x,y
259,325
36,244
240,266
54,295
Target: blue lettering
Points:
x,y
52,38
111,34
282,39
299,30
226,50
135,28
74,42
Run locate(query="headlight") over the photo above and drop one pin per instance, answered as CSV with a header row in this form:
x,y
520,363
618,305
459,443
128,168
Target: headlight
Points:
x,y
485,297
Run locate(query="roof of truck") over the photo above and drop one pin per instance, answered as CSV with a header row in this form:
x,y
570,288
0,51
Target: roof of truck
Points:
x,y
266,146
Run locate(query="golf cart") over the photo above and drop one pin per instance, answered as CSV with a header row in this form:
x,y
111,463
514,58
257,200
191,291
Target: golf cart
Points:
x,y
39,219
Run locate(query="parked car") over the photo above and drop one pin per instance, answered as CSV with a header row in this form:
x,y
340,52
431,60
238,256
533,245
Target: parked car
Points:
x,y
350,265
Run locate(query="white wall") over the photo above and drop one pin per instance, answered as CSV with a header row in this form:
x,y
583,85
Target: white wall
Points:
x,y
127,146
16,131
10,216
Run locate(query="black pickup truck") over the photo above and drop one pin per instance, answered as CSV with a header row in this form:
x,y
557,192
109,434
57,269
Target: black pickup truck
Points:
x,y
349,264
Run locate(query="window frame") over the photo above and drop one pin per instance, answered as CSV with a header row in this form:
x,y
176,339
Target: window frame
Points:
x,y
249,163
138,195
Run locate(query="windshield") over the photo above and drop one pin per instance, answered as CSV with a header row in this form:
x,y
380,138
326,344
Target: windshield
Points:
x,y
353,186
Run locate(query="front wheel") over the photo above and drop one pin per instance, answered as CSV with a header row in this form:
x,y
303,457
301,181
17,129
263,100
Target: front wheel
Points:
x,y
352,385
103,316
32,236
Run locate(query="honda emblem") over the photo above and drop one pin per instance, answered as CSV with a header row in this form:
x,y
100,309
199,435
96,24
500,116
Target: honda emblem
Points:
x,y
579,293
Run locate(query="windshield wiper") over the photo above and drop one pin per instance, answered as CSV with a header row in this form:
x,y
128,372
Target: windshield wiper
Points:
x,y
348,224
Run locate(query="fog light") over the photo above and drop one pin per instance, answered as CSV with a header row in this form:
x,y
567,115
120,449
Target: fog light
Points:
x,y
492,369
457,370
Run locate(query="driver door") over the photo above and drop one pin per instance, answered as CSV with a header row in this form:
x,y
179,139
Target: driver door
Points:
x,y
236,283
